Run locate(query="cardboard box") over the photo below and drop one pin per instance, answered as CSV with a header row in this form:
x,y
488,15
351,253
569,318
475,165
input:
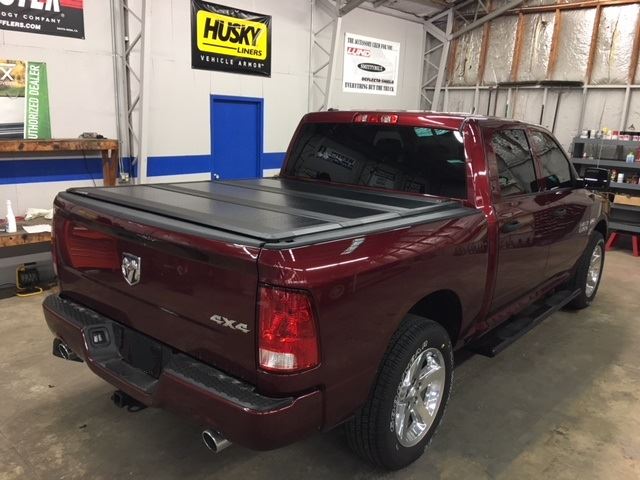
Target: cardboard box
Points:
x,y
626,200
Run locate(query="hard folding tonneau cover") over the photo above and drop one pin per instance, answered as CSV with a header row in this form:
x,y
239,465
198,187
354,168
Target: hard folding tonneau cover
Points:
x,y
275,210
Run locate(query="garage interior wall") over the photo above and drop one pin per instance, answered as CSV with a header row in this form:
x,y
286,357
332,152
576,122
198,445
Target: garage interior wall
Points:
x,y
177,131
597,46
81,92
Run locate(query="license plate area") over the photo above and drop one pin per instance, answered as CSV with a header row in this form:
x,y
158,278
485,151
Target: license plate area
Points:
x,y
140,351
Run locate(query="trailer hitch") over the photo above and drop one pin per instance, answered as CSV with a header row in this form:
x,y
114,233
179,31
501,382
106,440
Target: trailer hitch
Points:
x,y
124,400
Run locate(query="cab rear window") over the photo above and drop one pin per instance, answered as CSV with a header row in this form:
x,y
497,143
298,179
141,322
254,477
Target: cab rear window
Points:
x,y
402,158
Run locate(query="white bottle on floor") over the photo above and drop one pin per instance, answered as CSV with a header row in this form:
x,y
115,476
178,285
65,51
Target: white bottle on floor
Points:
x,y
11,219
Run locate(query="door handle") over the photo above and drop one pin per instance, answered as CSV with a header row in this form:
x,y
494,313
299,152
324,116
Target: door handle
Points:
x,y
511,226
561,212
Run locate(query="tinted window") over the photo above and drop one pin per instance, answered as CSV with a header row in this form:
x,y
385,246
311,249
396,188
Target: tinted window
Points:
x,y
555,166
410,159
516,171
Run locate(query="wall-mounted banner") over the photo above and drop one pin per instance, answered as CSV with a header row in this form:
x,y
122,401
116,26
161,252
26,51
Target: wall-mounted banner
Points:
x,y
37,122
229,39
62,18
24,100
370,65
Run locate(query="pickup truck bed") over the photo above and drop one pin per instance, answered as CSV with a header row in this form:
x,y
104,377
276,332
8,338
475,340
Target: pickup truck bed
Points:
x,y
277,210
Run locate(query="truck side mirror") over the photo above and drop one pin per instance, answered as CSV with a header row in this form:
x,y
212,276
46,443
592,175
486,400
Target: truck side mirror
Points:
x,y
596,178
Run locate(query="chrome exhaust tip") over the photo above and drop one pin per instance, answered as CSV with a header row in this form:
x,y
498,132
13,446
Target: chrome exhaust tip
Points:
x,y
62,350
214,441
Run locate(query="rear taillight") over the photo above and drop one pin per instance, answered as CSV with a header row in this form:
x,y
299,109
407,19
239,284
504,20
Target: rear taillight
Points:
x,y
54,251
88,249
288,336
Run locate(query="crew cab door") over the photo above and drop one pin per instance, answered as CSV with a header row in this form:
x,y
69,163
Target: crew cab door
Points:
x,y
565,207
522,250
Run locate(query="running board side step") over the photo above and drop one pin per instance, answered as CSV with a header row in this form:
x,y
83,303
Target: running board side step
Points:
x,y
504,335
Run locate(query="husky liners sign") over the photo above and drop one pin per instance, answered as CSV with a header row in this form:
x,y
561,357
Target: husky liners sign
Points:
x,y
230,40
63,18
370,65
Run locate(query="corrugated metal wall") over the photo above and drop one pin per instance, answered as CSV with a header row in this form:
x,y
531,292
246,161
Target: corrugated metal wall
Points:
x,y
549,40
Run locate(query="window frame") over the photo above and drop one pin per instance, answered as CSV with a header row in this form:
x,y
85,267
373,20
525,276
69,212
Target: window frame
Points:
x,y
499,197
539,164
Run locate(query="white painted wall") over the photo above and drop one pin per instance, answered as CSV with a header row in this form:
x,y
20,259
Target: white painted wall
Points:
x,y
180,116
179,95
81,85
81,92
409,35
80,72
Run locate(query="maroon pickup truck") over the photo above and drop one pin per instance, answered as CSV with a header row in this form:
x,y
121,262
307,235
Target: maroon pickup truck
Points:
x,y
336,293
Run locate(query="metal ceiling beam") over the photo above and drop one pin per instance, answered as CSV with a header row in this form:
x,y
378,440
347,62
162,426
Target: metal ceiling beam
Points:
x,y
443,62
482,20
445,12
321,73
435,31
327,6
351,5
391,12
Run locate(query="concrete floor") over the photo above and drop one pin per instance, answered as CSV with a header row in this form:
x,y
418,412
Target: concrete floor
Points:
x,y
563,402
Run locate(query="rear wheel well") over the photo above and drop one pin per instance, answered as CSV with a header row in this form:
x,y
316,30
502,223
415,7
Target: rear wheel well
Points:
x,y
602,228
443,307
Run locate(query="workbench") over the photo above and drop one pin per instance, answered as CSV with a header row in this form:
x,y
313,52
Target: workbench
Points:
x,y
23,238
21,242
108,148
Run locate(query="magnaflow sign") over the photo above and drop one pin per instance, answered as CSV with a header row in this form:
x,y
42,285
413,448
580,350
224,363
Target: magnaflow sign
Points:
x,y
229,39
370,65
63,18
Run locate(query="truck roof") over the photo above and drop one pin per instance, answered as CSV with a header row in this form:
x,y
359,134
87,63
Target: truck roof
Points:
x,y
451,120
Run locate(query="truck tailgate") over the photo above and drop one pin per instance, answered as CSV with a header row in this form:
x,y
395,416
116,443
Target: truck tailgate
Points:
x,y
187,285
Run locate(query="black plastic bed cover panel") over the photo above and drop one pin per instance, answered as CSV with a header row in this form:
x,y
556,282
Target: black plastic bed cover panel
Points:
x,y
274,210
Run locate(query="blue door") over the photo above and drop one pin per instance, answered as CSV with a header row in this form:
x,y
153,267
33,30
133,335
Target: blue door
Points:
x,y
236,137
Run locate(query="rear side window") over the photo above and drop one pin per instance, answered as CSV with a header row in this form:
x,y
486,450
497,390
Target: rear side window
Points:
x,y
555,166
402,158
516,171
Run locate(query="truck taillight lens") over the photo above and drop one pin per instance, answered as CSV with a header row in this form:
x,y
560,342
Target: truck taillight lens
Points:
x,y
54,251
89,249
288,336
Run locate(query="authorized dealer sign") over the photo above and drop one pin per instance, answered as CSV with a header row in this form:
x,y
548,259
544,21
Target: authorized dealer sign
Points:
x,y
230,40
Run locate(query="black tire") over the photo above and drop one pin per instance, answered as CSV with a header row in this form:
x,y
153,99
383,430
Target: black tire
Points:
x,y
579,280
371,432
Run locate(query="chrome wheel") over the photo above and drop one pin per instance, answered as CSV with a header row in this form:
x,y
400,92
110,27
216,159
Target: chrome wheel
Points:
x,y
595,268
419,396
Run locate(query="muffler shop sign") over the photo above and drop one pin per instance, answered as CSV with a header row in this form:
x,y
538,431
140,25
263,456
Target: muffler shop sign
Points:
x,y
62,18
229,40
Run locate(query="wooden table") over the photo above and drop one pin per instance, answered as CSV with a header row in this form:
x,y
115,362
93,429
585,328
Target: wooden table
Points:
x,y
107,147
21,237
